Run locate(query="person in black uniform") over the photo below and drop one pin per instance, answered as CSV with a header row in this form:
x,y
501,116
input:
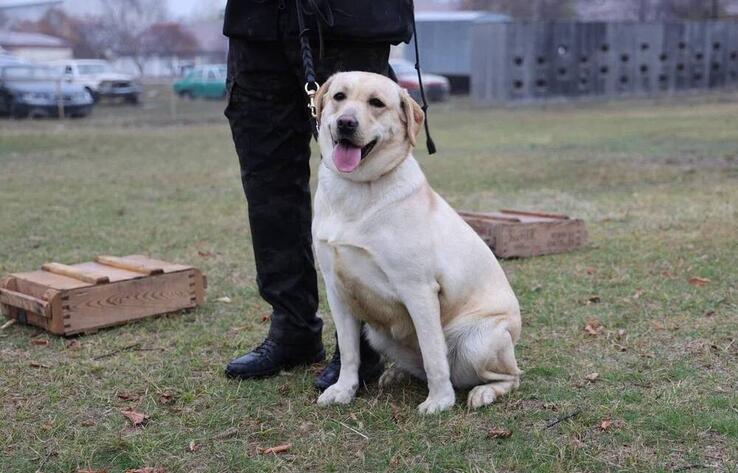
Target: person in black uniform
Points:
x,y
271,127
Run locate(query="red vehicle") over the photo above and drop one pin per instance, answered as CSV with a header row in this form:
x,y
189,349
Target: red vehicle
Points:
x,y
436,87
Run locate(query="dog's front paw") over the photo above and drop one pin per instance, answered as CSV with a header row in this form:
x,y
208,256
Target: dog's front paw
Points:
x,y
336,395
434,404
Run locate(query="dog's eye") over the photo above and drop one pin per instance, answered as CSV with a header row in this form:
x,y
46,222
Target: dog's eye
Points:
x,y
375,102
339,96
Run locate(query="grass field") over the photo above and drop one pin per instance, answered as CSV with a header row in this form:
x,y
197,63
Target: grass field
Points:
x,y
657,183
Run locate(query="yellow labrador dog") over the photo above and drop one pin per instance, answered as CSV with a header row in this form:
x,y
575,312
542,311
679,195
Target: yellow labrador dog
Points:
x,y
395,255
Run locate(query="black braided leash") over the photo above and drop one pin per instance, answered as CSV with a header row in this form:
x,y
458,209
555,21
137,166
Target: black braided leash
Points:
x,y
429,141
311,84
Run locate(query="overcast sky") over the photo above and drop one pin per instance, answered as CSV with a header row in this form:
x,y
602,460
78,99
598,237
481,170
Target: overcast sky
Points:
x,y
178,8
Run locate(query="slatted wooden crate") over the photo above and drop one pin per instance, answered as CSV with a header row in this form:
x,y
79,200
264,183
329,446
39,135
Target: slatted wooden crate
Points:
x,y
86,297
517,233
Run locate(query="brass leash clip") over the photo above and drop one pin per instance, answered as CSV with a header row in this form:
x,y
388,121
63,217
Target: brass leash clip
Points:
x,y
311,89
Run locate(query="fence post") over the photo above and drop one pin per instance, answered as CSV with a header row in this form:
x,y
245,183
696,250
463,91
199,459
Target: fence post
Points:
x,y
59,98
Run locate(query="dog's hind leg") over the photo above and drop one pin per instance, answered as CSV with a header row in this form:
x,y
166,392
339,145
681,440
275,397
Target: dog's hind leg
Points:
x,y
483,354
500,371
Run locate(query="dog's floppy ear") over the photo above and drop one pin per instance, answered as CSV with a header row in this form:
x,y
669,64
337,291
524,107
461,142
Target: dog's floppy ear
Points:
x,y
320,96
414,116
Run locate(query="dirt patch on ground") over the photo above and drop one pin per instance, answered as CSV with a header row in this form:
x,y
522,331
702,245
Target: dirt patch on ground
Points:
x,y
727,162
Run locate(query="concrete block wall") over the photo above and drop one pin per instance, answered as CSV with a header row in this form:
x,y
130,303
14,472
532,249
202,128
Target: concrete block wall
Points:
x,y
519,61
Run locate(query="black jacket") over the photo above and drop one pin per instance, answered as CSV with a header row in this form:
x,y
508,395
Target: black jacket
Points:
x,y
353,20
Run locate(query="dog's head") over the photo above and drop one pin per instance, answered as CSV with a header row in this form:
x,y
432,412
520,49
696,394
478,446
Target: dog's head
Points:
x,y
368,124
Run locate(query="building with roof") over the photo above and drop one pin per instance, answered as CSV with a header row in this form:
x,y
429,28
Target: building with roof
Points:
x,y
34,46
16,11
445,43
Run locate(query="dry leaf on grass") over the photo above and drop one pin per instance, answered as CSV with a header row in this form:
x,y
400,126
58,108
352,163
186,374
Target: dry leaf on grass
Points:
x,y
698,281
605,425
498,433
594,300
147,469
224,300
136,418
166,399
275,450
35,364
40,342
74,345
265,318
205,254
128,397
592,377
593,327
193,447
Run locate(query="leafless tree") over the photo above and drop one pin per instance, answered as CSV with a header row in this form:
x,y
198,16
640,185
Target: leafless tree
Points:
x,y
127,21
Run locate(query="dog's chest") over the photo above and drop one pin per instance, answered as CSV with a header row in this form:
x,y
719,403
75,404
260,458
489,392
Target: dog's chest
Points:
x,y
367,291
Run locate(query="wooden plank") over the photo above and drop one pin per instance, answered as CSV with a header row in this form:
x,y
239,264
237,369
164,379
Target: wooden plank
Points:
x,y
46,280
535,214
166,266
489,215
24,302
75,273
113,274
130,265
116,303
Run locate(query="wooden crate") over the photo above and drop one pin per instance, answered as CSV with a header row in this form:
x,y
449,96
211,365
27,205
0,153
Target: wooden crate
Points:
x,y
517,233
85,297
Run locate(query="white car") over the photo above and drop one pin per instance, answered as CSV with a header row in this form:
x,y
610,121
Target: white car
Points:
x,y
100,79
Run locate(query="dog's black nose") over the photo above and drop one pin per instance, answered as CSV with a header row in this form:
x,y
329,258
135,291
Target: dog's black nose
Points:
x,y
347,124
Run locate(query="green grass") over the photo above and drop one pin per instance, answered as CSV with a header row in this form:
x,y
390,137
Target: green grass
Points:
x,y
657,183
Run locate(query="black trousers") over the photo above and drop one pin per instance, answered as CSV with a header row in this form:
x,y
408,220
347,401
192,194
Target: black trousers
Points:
x,y
268,115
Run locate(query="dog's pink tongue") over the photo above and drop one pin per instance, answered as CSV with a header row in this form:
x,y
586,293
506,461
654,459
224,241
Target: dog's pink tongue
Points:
x,y
346,157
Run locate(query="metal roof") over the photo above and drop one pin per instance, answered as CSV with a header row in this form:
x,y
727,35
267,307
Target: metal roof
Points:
x,y
37,40
8,4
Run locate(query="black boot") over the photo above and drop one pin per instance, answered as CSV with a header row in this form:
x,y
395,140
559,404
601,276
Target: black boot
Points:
x,y
271,357
370,369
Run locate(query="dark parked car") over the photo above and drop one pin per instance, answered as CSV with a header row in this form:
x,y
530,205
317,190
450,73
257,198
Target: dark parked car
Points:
x,y
436,87
28,90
